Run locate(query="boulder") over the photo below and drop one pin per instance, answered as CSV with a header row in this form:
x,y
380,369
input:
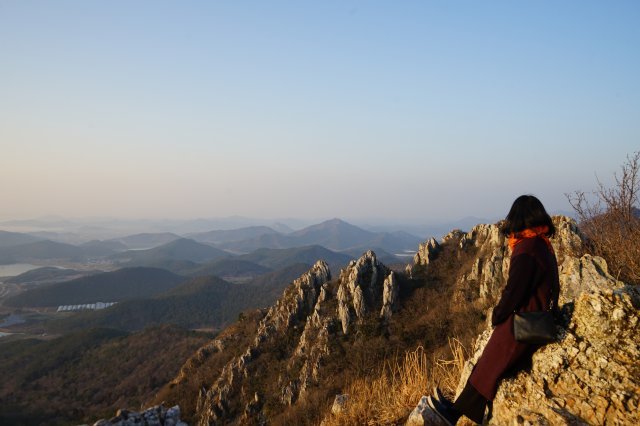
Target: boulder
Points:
x,y
339,404
154,416
591,375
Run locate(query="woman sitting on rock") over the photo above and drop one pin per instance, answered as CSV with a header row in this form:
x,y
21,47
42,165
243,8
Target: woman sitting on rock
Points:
x,y
532,286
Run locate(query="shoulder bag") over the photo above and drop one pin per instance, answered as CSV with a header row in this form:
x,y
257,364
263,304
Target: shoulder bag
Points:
x,y
538,327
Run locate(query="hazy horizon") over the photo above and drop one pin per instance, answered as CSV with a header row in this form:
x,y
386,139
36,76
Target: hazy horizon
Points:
x,y
77,230
409,111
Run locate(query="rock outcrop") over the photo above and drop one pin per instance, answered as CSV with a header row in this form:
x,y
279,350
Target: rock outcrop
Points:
x,y
591,375
390,296
339,403
154,416
362,287
490,267
426,252
294,306
584,274
295,337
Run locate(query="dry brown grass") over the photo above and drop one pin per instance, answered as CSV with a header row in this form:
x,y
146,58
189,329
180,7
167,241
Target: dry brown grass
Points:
x,y
447,372
390,396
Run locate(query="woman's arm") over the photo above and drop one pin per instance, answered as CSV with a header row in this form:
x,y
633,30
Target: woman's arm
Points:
x,y
522,271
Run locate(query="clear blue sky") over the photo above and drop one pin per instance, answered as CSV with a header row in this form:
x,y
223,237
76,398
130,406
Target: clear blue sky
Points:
x,y
358,109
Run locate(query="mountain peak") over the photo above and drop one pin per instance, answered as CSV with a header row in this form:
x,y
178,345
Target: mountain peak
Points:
x,y
335,221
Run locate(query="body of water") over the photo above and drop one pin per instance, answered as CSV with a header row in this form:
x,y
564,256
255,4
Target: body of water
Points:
x,y
4,334
406,253
16,269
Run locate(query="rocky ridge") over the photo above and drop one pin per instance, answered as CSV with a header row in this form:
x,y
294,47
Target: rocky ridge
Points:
x,y
311,314
490,267
296,305
591,375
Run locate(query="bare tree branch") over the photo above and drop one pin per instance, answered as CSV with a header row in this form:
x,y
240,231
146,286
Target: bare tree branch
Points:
x,y
611,221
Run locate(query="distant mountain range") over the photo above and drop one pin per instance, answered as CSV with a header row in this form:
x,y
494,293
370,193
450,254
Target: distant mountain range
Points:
x,y
10,239
237,254
181,249
123,284
232,269
202,301
47,274
190,258
197,302
226,236
107,246
82,230
42,250
145,240
334,234
76,231
281,258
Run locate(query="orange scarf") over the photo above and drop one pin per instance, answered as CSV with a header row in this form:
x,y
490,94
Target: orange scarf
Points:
x,y
538,231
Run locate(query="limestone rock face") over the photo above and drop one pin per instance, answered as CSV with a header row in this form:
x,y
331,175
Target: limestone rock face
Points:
x,y
426,252
568,240
200,358
579,275
490,268
453,235
293,340
297,303
591,375
361,288
294,306
390,295
312,347
491,265
158,415
339,403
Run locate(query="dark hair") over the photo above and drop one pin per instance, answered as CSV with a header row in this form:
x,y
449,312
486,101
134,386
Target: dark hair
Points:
x,y
527,212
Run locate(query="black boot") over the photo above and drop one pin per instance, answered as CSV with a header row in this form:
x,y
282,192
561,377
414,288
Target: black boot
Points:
x,y
439,396
449,415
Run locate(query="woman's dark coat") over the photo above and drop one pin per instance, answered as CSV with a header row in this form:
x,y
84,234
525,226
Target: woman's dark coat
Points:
x,y
532,286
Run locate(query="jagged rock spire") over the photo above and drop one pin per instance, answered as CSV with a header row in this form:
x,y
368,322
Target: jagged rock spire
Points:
x,y
390,296
426,252
295,305
361,288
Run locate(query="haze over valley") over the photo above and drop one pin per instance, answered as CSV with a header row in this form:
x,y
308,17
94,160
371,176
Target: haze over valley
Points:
x,y
43,274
